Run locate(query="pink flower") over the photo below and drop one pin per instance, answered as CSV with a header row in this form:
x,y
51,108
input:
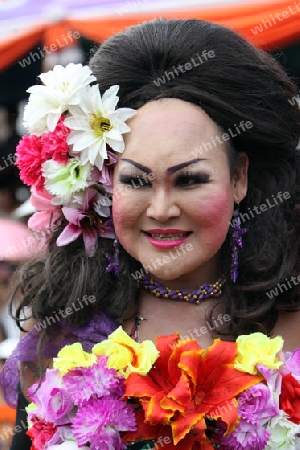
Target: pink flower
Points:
x,y
246,436
256,404
86,222
55,143
256,408
47,212
53,401
83,383
274,381
292,364
99,422
106,172
30,158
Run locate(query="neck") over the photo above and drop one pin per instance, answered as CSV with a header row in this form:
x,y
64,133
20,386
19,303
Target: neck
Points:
x,y
167,317
192,279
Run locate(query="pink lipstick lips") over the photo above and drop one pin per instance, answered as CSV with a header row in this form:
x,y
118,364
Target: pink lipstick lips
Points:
x,y
166,238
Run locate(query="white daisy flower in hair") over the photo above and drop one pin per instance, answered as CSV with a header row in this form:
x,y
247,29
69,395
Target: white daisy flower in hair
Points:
x,y
95,123
65,180
49,101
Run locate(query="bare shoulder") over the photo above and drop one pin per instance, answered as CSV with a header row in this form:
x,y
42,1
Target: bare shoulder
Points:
x,y
288,326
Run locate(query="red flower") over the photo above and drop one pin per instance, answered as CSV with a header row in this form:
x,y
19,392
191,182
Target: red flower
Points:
x,y
40,433
186,386
30,158
55,143
289,399
32,151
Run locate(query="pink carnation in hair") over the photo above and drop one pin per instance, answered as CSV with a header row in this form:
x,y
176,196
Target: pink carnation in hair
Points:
x,y
55,143
30,157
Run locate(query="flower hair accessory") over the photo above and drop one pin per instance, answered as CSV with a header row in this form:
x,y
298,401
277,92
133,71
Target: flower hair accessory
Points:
x,y
67,158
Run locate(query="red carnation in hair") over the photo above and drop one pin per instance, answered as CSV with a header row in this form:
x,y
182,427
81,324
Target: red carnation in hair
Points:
x,y
32,151
30,158
55,143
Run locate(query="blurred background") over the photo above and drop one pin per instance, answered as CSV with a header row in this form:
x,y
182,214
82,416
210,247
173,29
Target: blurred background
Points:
x,y
34,36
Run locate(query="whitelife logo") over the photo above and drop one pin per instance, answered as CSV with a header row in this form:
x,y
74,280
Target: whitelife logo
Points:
x,y
196,61
33,56
279,17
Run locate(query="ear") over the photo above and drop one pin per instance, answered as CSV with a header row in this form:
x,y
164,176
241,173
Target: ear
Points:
x,y
240,178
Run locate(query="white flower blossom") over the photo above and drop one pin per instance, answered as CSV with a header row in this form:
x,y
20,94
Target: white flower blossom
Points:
x,y
61,89
95,123
64,180
283,434
68,445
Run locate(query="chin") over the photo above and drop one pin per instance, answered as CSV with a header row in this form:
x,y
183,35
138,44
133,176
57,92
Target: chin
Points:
x,y
167,273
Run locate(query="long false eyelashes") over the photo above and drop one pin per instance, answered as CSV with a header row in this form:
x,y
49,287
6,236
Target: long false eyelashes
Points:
x,y
191,178
183,179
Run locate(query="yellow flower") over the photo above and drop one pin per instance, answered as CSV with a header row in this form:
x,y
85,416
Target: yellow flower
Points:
x,y
257,348
125,355
28,409
72,356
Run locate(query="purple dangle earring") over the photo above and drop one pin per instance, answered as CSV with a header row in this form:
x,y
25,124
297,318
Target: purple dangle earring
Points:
x,y
113,260
236,231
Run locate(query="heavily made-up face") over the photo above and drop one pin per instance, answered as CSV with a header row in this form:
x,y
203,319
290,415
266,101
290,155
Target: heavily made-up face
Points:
x,y
172,205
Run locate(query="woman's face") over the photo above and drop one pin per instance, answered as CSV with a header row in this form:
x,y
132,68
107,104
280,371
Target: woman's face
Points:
x,y
172,204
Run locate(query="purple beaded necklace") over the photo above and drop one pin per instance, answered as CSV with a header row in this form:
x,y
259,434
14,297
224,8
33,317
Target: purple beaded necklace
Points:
x,y
204,291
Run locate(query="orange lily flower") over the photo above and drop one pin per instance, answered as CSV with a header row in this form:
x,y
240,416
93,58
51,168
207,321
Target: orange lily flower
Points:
x,y
186,386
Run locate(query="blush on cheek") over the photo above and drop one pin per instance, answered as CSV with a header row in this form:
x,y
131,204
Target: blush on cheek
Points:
x,y
117,216
216,214
122,223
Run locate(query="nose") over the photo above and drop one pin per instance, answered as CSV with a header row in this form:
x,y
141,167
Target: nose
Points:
x,y
162,206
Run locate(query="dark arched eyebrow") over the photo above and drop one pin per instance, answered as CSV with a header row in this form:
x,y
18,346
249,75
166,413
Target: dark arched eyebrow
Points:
x,y
138,165
174,169
169,171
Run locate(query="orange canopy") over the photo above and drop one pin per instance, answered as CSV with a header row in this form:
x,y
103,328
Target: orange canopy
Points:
x,y
268,25
7,414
